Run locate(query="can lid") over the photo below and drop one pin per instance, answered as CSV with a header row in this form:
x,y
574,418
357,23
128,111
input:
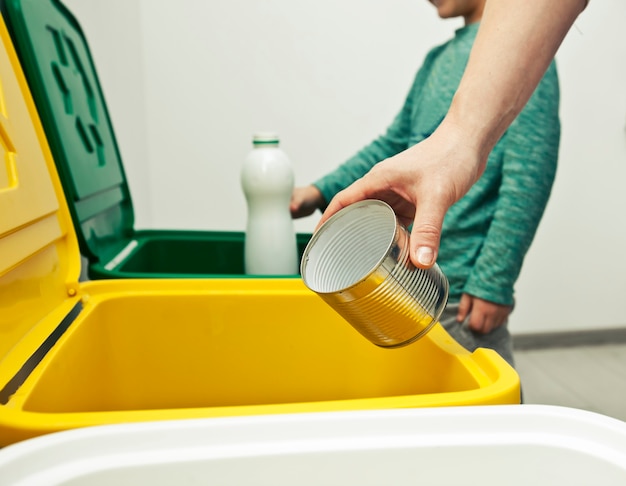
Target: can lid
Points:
x,y
345,254
261,138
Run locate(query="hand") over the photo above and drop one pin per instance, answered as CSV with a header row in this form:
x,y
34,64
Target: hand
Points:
x,y
420,184
484,316
305,200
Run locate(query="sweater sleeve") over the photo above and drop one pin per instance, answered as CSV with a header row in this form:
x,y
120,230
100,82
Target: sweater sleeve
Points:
x,y
394,140
529,167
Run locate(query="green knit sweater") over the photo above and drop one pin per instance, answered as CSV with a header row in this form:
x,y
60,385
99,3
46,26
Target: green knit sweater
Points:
x,y
487,233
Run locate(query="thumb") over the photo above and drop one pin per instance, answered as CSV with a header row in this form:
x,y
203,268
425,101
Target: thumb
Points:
x,y
426,234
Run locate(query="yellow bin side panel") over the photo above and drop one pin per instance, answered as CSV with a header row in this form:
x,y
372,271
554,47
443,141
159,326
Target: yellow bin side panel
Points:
x,y
153,350
36,235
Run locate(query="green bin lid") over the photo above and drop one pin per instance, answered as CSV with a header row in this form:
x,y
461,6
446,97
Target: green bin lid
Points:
x,y
62,77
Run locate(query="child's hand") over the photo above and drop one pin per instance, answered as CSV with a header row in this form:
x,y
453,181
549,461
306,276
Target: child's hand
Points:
x,y
305,200
484,316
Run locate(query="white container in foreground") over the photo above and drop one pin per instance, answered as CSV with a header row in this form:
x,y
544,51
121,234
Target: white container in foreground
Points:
x,y
483,445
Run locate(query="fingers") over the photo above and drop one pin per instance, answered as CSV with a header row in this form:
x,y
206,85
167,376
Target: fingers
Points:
x,y
305,201
465,307
354,193
427,218
486,316
426,232
294,207
480,323
481,320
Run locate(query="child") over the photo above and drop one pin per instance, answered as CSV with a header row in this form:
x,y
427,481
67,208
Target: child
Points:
x,y
487,233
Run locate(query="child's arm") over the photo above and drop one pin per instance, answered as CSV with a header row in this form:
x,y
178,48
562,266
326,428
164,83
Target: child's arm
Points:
x,y
530,152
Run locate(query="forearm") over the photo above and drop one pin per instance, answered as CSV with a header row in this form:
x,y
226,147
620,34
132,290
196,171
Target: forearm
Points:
x,y
515,44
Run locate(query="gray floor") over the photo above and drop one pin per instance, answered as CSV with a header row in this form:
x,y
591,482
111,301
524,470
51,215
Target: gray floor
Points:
x,y
584,377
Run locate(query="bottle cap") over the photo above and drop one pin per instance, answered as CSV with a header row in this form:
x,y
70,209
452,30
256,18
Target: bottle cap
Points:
x,y
265,138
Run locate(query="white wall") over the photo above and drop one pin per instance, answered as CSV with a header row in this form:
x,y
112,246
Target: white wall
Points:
x,y
327,75
575,274
188,82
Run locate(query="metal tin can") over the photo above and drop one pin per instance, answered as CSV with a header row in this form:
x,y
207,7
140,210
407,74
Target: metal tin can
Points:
x,y
358,262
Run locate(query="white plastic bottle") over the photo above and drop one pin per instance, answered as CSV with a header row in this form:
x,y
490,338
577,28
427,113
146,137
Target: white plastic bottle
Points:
x,y
267,181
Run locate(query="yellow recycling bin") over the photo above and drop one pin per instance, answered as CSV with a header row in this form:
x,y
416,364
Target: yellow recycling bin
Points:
x,y
76,354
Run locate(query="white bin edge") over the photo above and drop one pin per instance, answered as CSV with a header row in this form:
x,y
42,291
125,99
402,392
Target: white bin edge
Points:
x,y
481,445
